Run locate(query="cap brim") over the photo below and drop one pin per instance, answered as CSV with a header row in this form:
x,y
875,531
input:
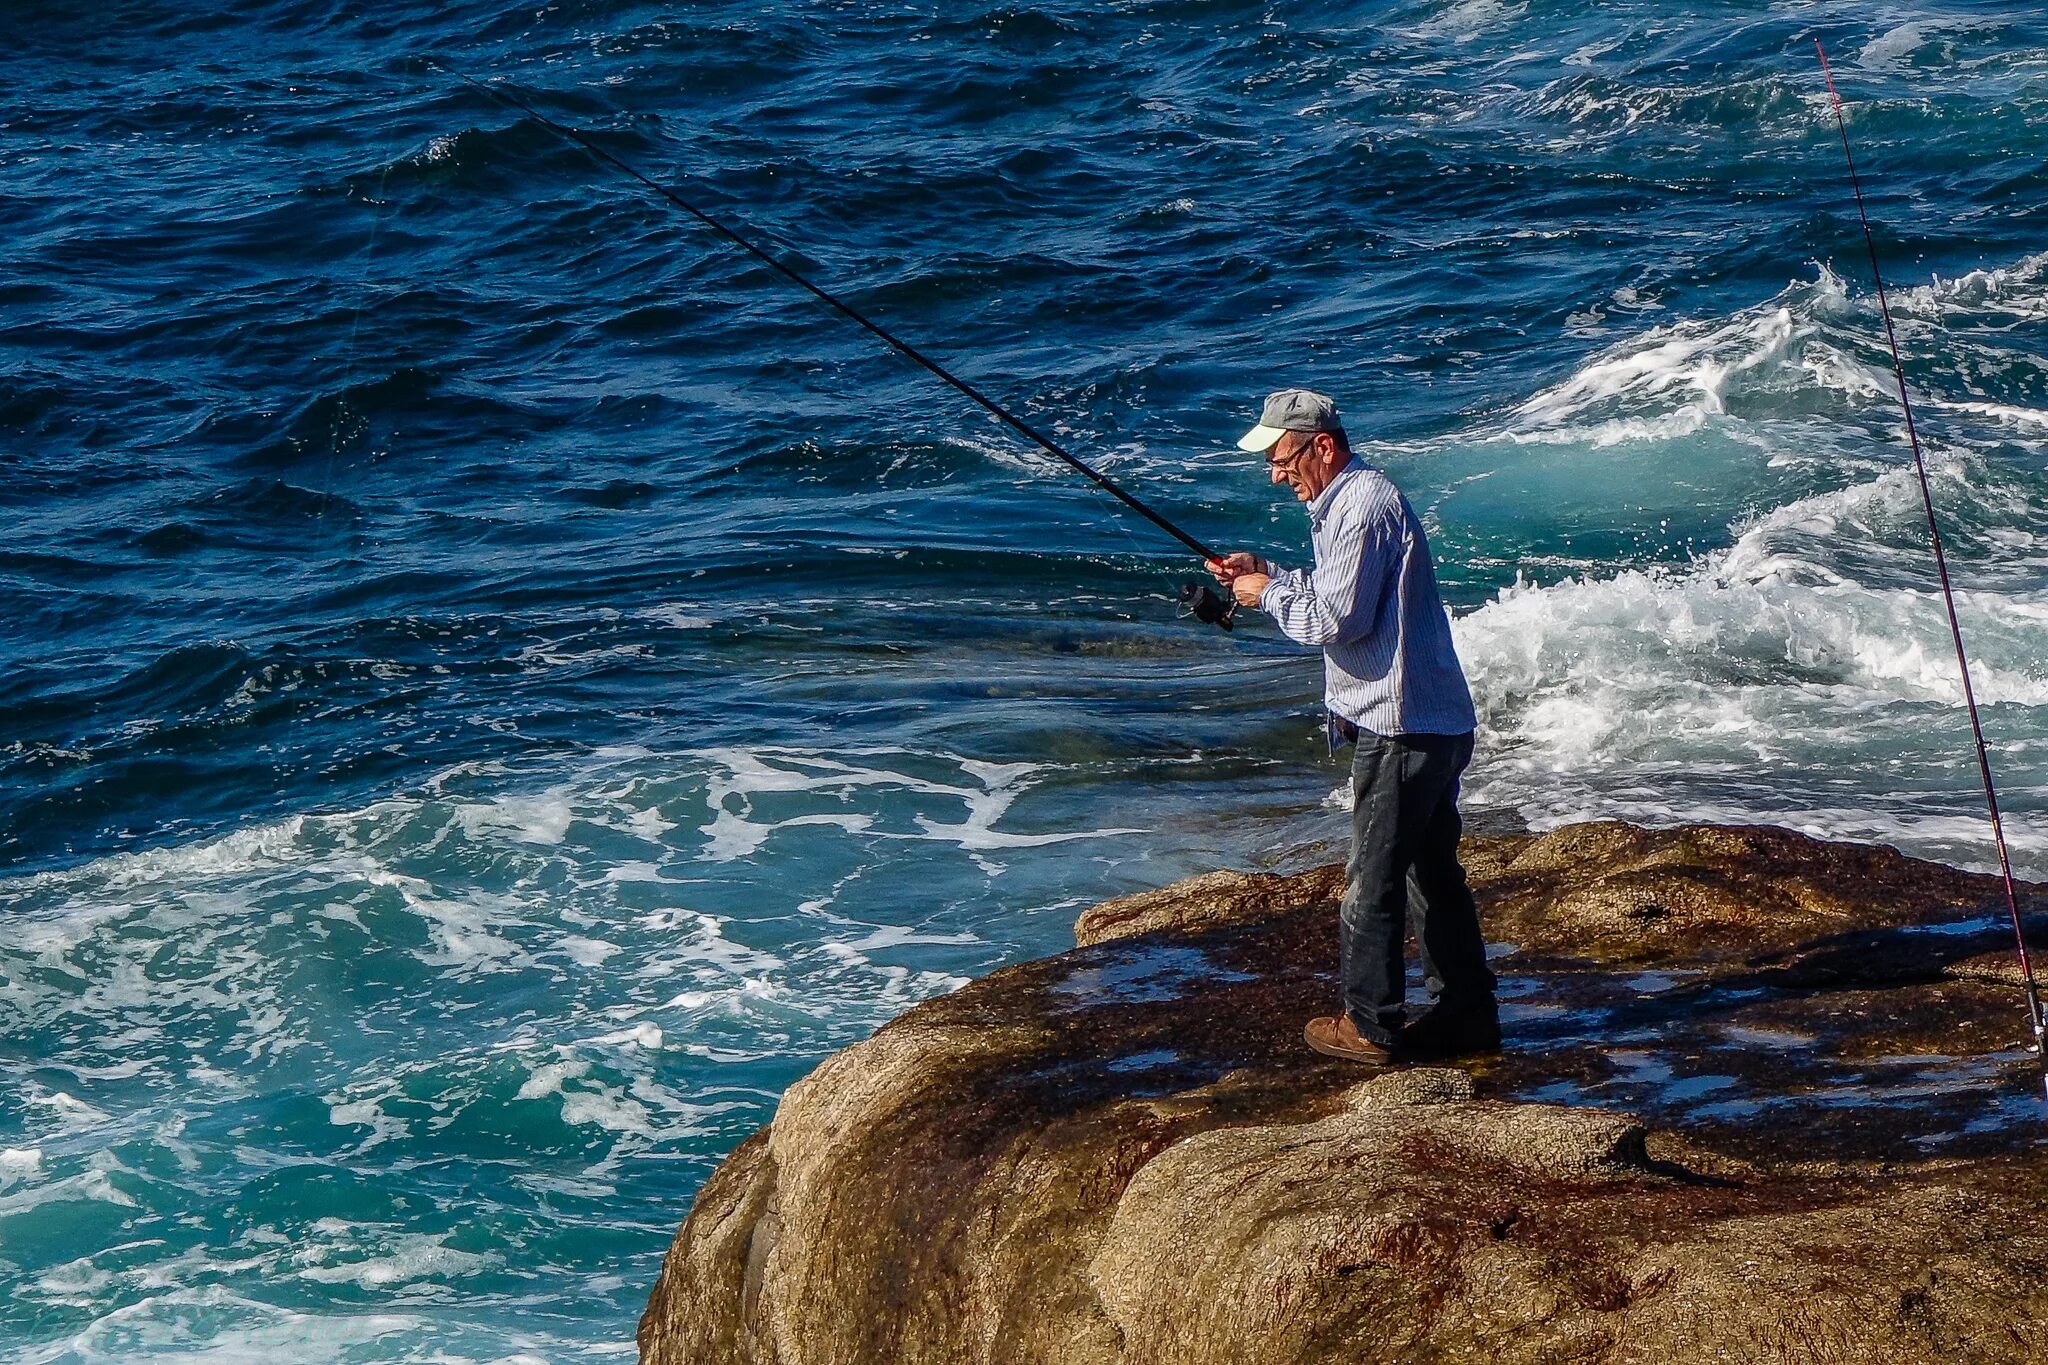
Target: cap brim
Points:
x,y
1260,439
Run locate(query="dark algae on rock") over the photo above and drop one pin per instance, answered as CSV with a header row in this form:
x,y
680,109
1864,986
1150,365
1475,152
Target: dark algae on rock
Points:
x,y
1764,1099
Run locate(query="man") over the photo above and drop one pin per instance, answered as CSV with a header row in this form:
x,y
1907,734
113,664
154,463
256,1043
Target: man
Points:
x,y
1393,687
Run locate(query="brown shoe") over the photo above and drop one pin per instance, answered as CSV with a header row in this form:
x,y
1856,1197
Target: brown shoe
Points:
x,y
1336,1036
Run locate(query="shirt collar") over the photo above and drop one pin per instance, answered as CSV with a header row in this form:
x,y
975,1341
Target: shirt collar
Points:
x,y
1319,506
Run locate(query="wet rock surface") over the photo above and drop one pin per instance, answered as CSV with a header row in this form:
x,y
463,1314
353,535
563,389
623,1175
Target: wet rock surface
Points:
x,y
1763,1098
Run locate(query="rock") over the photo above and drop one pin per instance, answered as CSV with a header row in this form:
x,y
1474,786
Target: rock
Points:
x,y
1782,1119
1611,891
1614,892
1209,901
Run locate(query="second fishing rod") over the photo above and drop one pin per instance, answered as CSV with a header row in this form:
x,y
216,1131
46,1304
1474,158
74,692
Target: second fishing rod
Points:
x,y
2037,1019
1201,600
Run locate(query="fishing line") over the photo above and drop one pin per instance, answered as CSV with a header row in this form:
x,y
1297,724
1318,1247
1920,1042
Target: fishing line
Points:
x,y
1948,596
1003,414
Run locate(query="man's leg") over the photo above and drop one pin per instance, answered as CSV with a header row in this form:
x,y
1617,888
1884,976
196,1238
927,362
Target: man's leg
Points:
x,y
1418,910
1452,945
1397,787
1463,1017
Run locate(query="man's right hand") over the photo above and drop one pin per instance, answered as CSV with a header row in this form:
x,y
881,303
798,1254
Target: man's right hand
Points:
x,y
1230,566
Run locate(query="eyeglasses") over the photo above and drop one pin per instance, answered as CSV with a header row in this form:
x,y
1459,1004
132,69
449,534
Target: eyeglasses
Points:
x,y
1289,461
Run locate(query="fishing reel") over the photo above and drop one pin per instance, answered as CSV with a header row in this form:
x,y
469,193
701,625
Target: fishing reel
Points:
x,y
1205,605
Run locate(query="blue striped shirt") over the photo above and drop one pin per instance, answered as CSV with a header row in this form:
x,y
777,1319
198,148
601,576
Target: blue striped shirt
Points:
x,y
1372,604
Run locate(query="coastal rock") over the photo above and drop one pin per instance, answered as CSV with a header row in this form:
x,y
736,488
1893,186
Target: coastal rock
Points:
x,y
1785,1118
1614,892
1209,901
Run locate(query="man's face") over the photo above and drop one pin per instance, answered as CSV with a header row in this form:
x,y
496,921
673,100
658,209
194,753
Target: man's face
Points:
x,y
1300,460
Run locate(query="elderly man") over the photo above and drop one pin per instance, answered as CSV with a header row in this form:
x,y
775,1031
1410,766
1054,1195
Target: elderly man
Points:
x,y
1393,687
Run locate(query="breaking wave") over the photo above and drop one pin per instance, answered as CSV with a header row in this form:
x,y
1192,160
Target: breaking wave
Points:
x,y
1810,656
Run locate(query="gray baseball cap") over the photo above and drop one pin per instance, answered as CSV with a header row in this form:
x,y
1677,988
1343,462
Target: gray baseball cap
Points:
x,y
1291,410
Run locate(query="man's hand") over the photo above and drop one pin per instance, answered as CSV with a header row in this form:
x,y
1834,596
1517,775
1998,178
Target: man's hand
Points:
x,y
1230,566
1247,587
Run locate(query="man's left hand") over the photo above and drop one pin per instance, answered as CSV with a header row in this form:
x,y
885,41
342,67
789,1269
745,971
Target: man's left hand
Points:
x,y
1246,588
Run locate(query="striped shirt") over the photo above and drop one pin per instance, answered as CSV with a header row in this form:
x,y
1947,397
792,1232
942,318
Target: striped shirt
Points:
x,y
1372,604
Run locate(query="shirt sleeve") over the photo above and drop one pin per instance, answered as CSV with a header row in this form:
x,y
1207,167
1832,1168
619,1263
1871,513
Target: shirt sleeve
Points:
x,y
1338,602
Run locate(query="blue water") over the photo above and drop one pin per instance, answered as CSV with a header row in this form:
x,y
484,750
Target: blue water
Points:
x,y
496,685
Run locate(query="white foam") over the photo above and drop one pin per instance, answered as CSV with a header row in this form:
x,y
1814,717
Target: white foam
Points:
x,y
547,1079
898,936
606,1107
1692,361
2003,412
678,616
367,1113
555,654
1464,21
1889,50
464,930
79,1283
635,872
587,952
411,1257
67,1109
19,1163
195,1323
1883,53
1813,647
1657,693
1684,421
1588,53
245,851
1991,295
508,944
731,835
974,834
87,1187
1671,380
543,818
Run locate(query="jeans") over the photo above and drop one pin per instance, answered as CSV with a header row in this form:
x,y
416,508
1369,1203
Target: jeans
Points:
x,y
1404,838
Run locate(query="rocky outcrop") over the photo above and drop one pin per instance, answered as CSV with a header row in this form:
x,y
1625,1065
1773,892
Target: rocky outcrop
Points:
x,y
1210,901
1763,1100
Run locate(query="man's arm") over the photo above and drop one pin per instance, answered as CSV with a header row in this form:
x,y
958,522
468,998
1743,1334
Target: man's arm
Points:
x,y
1340,601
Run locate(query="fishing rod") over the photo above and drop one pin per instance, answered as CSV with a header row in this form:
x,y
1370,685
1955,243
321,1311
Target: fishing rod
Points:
x,y
1948,596
1201,600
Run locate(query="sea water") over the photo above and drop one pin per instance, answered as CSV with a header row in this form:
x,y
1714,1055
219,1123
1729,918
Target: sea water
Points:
x,y
497,685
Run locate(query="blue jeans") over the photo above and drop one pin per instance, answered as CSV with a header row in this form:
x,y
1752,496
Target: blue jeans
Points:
x,y
1404,838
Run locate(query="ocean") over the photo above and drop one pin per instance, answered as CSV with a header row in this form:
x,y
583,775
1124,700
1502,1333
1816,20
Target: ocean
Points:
x,y
497,684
